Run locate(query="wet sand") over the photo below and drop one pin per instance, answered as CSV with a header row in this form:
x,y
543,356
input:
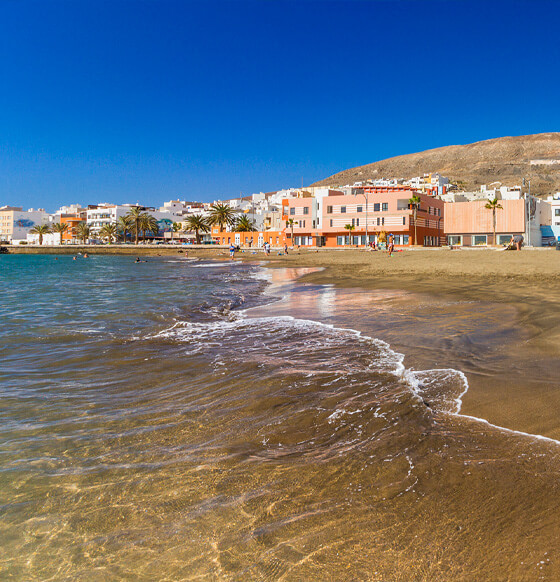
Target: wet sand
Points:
x,y
514,376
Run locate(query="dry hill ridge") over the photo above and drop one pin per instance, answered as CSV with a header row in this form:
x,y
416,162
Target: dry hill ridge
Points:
x,y
505,159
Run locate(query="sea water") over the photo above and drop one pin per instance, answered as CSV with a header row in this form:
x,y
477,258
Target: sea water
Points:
x,y
178,420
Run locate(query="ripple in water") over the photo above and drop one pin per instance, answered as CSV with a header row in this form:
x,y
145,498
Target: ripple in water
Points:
x,y
163,436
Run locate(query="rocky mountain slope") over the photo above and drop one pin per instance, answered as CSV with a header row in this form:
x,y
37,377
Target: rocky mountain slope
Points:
x,y
506,159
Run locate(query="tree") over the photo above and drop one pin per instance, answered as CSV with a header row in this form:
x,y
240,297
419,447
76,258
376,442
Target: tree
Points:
x,y
222,215
349,228
493,205
147,223
109,231
199,224
134,215
41,230
414,203
83,232
124,225
60,229
175,227
244,224
291,224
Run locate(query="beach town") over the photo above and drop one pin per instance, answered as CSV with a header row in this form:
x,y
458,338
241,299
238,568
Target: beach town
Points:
x,y
280,291
425,211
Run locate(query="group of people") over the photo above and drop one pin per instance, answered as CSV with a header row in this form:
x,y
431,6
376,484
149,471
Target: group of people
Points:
x,y
266,248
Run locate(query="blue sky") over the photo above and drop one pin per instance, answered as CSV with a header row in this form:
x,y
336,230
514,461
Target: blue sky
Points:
x,y
145,101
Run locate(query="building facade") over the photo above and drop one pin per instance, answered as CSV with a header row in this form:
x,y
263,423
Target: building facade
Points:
x,y
341,219
471,223
15,223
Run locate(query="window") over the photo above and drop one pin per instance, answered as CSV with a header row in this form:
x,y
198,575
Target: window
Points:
x,y
343,209
404,220
383,221
331,222
292,211
405,239
357,222
306,209
557,212
313,224
353,222
504,239
384,206
329,210
340,241
454,240
360,209
479,239
376,207
378,221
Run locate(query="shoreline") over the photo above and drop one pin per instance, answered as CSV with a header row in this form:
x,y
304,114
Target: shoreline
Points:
x,y
513,386
522,392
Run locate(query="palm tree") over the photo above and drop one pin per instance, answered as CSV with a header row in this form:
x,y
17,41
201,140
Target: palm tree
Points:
x,y
143,225
199,224
244,224
175,227
41,230
82,232
222,215
349,228
109,231
134,215
291,224
494,205
414,202
60,229
124,224
147,223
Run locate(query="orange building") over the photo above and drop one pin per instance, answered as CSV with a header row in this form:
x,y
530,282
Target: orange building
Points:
x,y
72,220
339,219
470,223
255,239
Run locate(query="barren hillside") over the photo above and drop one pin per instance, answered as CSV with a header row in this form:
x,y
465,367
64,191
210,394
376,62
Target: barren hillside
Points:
x,y
505,159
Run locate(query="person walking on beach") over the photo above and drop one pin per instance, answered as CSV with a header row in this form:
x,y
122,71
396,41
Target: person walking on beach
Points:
x,y
390,245
267,248
285,248
231,251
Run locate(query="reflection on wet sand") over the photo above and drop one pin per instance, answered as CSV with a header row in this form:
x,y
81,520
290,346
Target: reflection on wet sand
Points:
x,y
510,384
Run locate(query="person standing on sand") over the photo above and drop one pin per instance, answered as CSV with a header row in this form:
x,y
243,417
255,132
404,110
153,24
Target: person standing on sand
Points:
x,y
390,245
285,248
231,251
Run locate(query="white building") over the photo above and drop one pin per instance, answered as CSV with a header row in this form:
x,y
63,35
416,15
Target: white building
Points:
x,y
15,223
550,219
74,209
104,214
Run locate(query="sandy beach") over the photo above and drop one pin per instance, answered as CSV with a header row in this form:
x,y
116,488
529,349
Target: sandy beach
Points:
x,y
516,389
512,374
279,428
